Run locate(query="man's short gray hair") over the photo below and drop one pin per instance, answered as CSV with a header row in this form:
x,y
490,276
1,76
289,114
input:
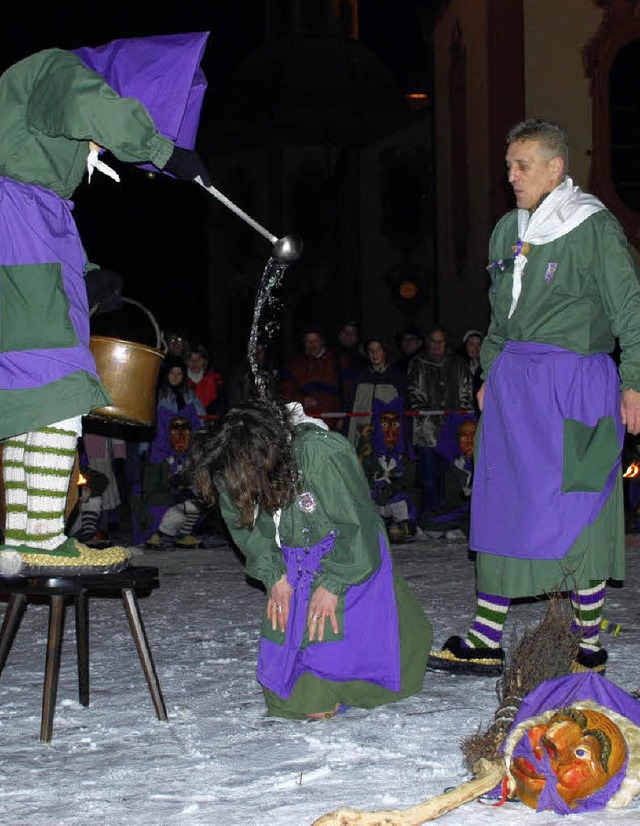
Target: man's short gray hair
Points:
x,y
552,137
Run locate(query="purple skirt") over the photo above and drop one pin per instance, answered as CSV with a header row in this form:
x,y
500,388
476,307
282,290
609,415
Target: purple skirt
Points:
x,y
369,647
548,413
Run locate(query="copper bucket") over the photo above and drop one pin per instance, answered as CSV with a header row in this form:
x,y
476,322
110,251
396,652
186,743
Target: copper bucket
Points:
x,y
129,372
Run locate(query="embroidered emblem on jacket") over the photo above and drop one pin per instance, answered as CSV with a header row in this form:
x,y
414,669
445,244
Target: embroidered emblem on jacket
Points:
x,y
306,502
552,266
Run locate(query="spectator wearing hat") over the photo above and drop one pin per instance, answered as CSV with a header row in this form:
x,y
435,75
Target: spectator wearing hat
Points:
x,y
470,353
173,391
313,379
410,342
378,380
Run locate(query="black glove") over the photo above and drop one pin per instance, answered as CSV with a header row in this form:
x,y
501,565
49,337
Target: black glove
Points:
x,y
186,165
104,289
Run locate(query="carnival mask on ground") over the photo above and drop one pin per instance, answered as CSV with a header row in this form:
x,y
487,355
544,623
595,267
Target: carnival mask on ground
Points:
x,y
180,431
466,437
569,760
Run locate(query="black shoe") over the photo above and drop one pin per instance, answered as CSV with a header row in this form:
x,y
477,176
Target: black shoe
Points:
x,y
590,661
460,658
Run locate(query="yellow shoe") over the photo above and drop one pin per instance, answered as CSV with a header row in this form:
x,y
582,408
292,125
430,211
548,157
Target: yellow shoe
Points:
x,y
186,541
154,541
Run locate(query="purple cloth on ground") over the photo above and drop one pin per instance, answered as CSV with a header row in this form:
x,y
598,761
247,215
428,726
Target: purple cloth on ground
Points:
x,y
518,508
37,227
370,647
162,72
561,693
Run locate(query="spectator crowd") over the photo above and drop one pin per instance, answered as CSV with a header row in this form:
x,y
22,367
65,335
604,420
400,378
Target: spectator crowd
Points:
x,y
403,405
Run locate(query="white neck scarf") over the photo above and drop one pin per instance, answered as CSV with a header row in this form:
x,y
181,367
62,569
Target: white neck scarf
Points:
x,y
94,162
564,209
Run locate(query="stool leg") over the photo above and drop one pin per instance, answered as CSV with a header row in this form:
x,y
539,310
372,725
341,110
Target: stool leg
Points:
x,y
82,644
52,667
137,629
10,625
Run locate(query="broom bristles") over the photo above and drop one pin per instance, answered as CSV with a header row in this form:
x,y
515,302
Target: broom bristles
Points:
x,y
543,652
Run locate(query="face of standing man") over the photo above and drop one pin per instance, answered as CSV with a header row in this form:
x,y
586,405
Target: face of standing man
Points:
x,y
313,345
437,344
532,172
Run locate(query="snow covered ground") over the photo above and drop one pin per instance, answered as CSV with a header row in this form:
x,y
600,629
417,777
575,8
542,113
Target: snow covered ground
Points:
x,y
219,759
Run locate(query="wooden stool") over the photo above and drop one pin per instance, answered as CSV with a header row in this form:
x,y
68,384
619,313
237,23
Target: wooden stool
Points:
x,y
60,591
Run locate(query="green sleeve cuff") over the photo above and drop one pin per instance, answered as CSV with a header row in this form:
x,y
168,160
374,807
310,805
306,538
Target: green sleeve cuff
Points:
x,y
630,376
334,586
161,149
273,576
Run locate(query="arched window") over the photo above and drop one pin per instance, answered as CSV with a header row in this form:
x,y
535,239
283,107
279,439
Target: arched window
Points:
x,y
612,62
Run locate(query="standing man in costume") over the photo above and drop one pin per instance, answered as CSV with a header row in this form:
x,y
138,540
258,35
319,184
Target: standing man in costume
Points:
x,y
546,510
140,99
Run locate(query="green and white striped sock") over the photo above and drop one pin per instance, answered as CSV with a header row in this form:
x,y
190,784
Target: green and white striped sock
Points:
x,y
48,459
15,489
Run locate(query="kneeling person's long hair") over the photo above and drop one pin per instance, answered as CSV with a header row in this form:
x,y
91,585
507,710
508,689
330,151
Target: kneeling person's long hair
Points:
x,y
249,454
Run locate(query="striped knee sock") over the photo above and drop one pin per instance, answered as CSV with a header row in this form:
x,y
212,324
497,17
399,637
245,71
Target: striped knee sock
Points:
x,y
587,606
491,613
15,489
191,516
49,457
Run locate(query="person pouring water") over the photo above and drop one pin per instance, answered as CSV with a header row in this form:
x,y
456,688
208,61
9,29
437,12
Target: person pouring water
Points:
x,y
140,99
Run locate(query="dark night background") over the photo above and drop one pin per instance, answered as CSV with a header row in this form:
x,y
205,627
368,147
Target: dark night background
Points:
x,y
152,229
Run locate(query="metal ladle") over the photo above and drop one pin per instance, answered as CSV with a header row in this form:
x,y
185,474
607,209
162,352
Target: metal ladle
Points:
x,y
288,248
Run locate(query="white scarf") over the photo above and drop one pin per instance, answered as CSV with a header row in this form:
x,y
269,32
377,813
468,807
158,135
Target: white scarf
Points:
x,y
196,378
94,162
564,209
297,416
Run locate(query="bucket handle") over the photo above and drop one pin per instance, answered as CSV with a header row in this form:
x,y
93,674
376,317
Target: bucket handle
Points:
x,y
161,344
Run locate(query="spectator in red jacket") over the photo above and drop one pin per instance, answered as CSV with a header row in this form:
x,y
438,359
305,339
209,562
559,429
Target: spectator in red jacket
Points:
x,y
203,380
313,379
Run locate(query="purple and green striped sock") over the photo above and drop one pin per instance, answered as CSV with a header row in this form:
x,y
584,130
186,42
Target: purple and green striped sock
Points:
x,y
491,613
587,606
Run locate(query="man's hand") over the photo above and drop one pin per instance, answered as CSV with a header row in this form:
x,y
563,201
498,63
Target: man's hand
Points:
x,y
278,604
104,290
630,409
186,165
322,604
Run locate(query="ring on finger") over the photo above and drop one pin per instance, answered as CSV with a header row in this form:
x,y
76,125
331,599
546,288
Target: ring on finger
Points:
x,y
314,618
279,608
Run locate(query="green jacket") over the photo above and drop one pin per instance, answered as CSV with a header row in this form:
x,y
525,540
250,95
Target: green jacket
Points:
x,y
590,297
52,105
334,497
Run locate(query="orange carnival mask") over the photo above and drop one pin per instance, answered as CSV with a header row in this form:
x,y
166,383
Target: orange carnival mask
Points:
x,y
390,426
180,431
560,762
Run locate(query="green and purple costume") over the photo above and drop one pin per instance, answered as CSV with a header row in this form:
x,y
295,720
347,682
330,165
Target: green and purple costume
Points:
x,y
332,537
136,98
547,495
